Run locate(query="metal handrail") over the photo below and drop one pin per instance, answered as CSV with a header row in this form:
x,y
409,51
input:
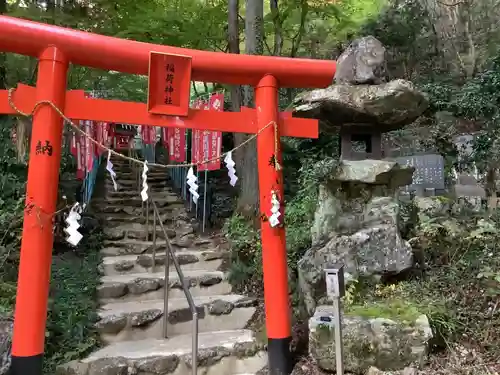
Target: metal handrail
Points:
x,y
169,254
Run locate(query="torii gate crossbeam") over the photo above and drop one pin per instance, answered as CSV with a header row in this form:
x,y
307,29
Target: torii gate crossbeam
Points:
x,y
56,48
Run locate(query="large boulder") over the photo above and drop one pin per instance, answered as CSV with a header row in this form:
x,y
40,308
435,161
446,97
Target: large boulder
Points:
x,y
388,344
387,106
369,253
363,62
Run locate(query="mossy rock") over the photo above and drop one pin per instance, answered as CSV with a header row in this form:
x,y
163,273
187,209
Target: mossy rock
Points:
x,y
388,344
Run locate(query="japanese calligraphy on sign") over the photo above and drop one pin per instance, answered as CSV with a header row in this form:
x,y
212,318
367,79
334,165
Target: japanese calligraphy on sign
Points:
x,y
429,171
169,84
44,148
177,144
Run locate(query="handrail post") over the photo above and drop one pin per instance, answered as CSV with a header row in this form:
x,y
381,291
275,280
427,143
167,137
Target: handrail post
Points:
x,y
154,243
192,306
147,220
167,277
194,342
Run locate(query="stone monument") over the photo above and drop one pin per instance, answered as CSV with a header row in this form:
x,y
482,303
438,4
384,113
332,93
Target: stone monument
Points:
x,y
356,220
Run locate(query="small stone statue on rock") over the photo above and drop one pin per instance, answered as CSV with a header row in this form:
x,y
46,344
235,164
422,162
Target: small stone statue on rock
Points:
x,y
363,62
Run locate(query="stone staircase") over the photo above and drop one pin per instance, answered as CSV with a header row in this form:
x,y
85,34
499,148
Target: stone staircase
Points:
x,y
131,293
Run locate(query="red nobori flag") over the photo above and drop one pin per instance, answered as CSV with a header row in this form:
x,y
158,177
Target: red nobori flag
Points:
x,y
164,136
148,134
177,144
106,134
72,146
216,103
210,142
80,154
89,145
98,136
196,136
110,136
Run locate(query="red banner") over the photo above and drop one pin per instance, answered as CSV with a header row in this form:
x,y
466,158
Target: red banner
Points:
x,y
89,145
72,146
80,154
177,144
164,136
216,103
110,136
207,144
98,137
148,134
196,137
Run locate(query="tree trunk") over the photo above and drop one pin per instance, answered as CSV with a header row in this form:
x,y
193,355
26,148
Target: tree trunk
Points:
x,y
234,47
278,29
248,201
3,57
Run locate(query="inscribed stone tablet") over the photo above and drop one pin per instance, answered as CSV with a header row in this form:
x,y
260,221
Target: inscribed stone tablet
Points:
x,y
429,171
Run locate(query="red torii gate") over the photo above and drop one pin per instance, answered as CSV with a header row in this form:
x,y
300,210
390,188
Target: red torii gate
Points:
x,y
56,47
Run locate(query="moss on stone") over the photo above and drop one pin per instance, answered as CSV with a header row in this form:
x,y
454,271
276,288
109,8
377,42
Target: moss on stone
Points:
x,y
395,309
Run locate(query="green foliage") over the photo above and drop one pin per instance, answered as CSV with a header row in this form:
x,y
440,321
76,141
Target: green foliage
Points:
x,y
246,254
71,333
463,279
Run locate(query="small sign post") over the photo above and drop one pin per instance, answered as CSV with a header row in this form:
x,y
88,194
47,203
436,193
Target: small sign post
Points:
x,y
335,289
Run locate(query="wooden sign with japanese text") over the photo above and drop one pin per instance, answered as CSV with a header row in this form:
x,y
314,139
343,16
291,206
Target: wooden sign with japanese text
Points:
x,y
169,84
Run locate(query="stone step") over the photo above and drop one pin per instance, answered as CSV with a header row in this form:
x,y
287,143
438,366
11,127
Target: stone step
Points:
x,y
173,204
189,260
132,176
127,184
138,231
135,201
160,194
235,352
155,189
150,286
138,210
143,320
127,218
137,246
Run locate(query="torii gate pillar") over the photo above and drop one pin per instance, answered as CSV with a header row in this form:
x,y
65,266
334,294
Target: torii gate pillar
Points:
x,y
41,198
274,259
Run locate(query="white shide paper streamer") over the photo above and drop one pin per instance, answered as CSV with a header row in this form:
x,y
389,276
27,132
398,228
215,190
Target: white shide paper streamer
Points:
x,y
193,186
112,173
73,225
275,210
230,168
144,191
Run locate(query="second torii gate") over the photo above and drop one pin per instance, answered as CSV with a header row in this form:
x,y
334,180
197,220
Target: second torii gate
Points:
x,y
56,48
